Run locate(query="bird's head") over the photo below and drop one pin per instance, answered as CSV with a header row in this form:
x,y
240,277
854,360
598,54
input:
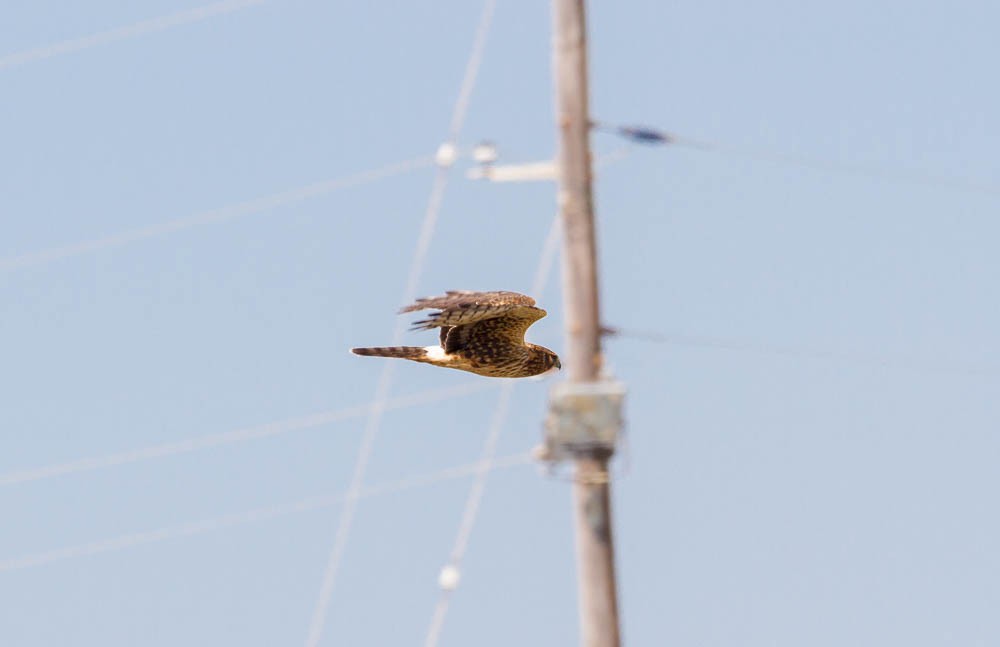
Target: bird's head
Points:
x,y
550,359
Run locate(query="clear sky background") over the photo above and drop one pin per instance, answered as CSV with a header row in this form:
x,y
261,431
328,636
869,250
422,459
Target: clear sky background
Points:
x,y
813,444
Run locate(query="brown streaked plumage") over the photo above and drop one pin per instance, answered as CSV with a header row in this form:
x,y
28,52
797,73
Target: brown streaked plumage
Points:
x,y
481,332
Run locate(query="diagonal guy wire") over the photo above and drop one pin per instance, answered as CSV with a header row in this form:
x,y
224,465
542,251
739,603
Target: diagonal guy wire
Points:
x,y
152,25
191,528
486,463
229,212
385,379
229,437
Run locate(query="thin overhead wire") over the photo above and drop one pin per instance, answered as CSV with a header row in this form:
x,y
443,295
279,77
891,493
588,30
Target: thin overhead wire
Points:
x,y
374,421
478,487
471,70
230,212
611,158
230,437
650,136
192,528
152,25
924,365
831,166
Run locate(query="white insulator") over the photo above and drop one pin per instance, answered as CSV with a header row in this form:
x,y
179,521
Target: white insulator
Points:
x,y
449,577
446,154
485,153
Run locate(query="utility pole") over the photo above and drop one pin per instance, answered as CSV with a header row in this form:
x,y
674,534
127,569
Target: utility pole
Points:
x,y
585,413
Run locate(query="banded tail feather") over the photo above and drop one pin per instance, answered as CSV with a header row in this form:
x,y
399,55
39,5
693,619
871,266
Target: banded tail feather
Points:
x,y
426,354
405,352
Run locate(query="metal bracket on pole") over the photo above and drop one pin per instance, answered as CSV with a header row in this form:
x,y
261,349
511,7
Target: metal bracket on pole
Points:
x,y
585,419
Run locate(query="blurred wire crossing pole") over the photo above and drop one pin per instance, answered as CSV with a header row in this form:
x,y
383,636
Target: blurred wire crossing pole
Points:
x,y
585,411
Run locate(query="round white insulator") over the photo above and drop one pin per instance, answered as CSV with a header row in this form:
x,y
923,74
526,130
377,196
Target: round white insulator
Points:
x,y
446,154
485,153
449,577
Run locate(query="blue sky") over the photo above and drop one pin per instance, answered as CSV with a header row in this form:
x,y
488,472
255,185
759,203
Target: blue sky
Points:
x,y
810,459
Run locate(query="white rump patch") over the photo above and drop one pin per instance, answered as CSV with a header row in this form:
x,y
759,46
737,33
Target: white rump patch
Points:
x,y
435,352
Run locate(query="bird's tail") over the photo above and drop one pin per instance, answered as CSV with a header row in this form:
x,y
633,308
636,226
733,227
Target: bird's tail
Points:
x,y
416,353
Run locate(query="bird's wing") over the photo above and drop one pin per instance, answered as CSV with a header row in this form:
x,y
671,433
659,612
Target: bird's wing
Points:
x,y
491,335
458,308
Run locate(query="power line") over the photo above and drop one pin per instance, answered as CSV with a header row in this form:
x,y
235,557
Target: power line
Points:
x,y
385,378
229,212
652,136
453,568
152,25
374,420
192,528
472,66
230,437
904,363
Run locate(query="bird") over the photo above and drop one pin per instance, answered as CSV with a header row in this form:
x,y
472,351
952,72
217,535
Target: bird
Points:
x,y
481,332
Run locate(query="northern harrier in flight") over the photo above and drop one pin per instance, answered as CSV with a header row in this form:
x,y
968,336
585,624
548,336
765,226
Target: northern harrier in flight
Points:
x,y
481,332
